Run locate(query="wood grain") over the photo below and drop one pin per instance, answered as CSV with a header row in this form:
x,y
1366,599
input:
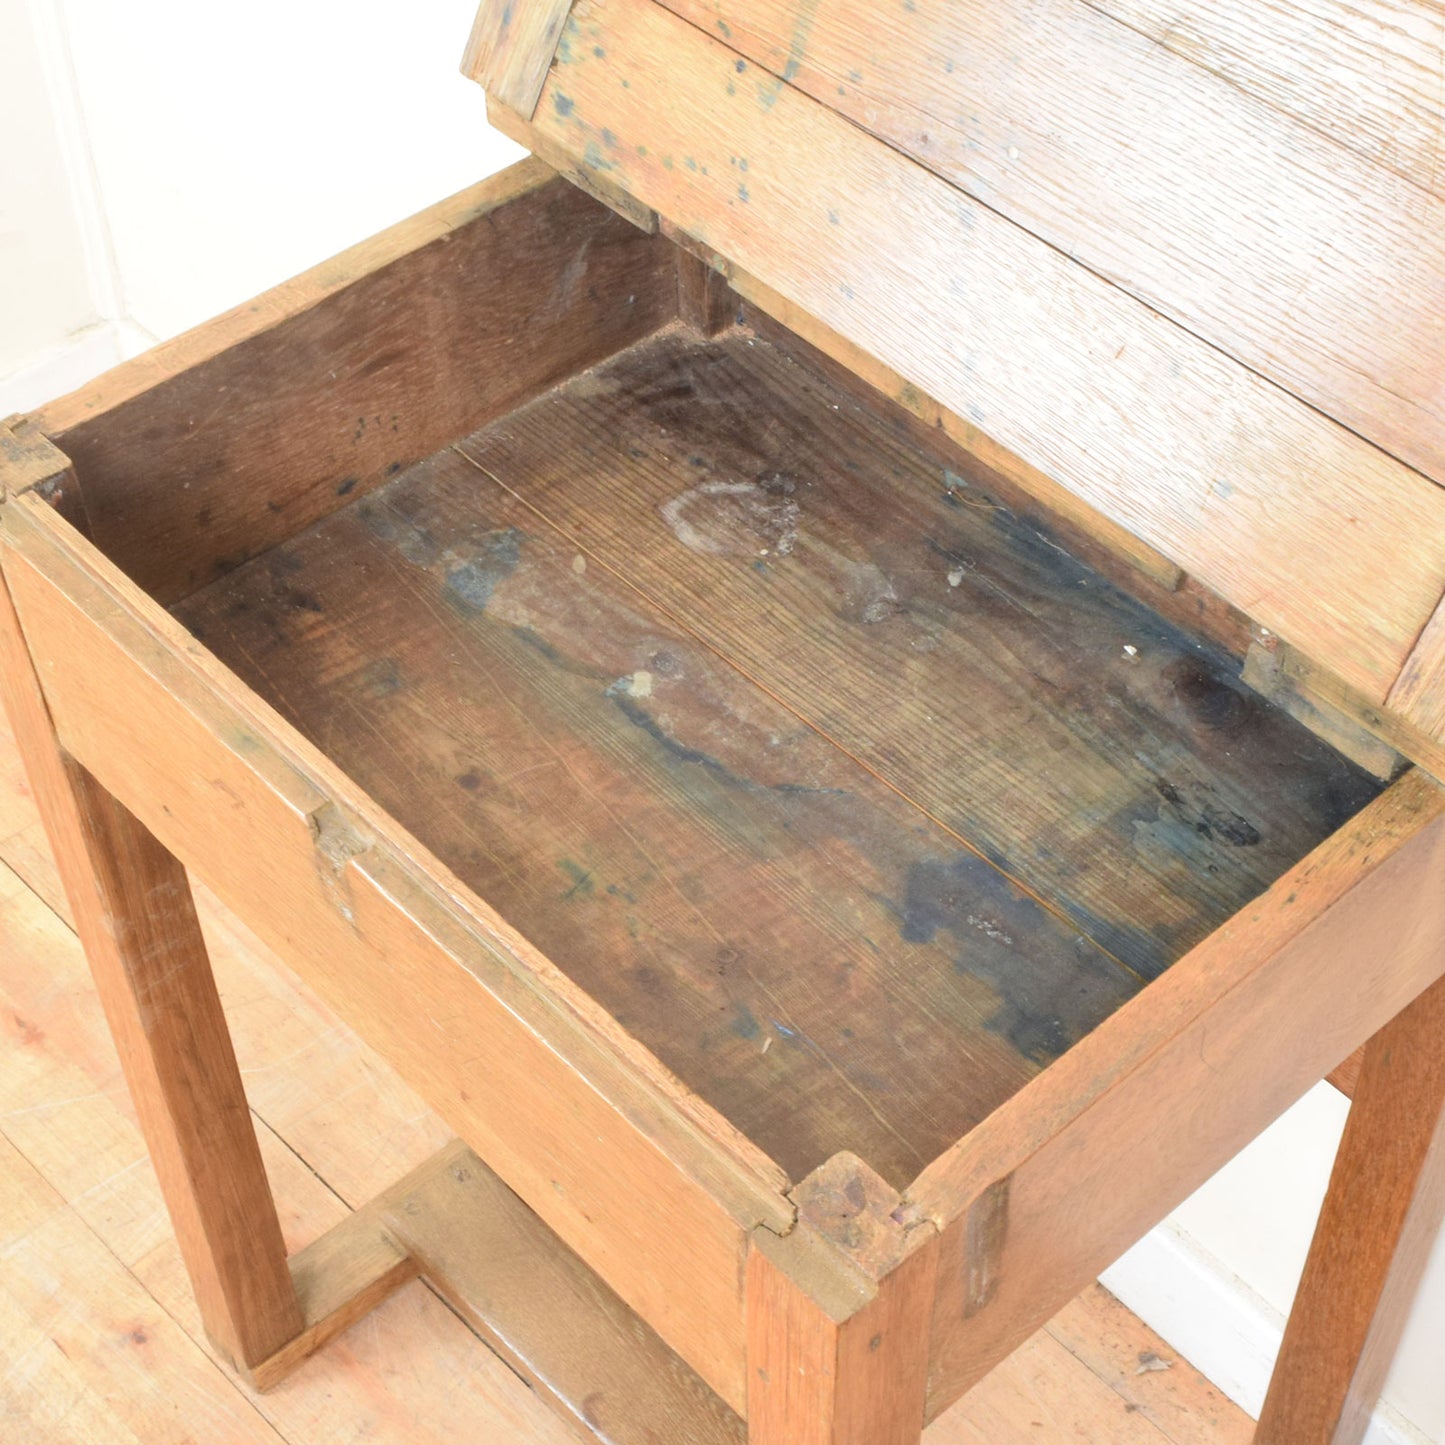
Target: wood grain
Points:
x,y
215,446
952,646
134,911
546,1313
306,1069
1381,1214
340,1278
1131,1121
429,975
755,907
1234,480
1419,692
511,46
1366,75
837,1348
1308,263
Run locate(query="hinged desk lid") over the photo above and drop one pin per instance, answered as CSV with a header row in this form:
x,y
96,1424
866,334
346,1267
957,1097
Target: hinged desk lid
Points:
x,y
1149,259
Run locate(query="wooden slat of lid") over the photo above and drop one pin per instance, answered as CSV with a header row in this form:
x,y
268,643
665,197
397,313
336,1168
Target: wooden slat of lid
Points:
x,y
1365,74
1311,264
1420,691
1312,531
511,46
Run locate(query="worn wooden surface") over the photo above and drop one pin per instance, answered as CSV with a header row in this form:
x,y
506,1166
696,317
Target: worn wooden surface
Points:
x,y
535,1303
1232,478
1419,692
103,1342
216,445
952,647
427,972
1367,75
742,895
1255,1015
788,935
1310,264
511,46
1376,1229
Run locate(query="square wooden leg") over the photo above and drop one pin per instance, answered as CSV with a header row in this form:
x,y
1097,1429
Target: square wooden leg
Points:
x,y
837,1311
1380,1216
135,916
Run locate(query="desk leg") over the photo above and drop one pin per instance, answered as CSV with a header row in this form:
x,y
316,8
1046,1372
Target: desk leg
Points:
x,y
838,1315
135,916
1385,1203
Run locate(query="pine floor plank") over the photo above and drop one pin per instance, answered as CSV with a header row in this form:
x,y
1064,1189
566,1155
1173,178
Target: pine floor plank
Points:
x,y
1117,1348
1043,1393
118,1344
87,1258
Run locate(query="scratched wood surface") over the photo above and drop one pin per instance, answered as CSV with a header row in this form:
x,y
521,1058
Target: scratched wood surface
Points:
x,y
1311,264
102,1343
520,648
1320,536
1367,74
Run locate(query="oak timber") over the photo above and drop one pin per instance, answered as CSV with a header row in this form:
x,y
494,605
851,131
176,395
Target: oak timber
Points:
x,y
545,1312
1256,1014
1419,692
749,902
1380,1217
837,1340
117,1347
511,46
1311,265
951,646
219,444
426,972
133,908
1233,479
1366,75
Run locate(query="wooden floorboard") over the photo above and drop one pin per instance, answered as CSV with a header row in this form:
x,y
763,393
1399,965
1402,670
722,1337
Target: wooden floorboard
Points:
x,y
99,1337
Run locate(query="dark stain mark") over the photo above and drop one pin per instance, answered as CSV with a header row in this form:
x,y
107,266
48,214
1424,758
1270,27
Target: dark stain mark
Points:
x,y
474,581
303,602
744,1025
381,677
1208,818
28,1033
564,104
1208,697
138,1335
347,487
582,883
641,718
1052,990
469,780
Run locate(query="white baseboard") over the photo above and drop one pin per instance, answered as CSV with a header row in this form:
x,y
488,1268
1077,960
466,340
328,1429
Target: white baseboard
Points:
x,y
1217,1322
72,363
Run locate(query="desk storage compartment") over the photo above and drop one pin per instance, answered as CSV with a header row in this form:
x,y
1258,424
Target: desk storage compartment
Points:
x,y
687,766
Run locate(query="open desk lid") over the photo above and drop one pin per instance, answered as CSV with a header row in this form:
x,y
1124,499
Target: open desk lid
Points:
x,y
1211,308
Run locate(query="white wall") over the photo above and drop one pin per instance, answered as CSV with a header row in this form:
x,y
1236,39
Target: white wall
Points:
x,y
161,161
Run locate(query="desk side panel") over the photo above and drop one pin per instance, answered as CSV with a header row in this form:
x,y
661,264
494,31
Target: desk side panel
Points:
x,y
1073,1171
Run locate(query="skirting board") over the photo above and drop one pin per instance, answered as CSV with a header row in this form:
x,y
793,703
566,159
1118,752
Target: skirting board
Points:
x,y
71,363
1217,1322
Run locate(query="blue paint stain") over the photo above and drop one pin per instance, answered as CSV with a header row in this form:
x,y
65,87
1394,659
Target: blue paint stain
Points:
x,y
563,104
